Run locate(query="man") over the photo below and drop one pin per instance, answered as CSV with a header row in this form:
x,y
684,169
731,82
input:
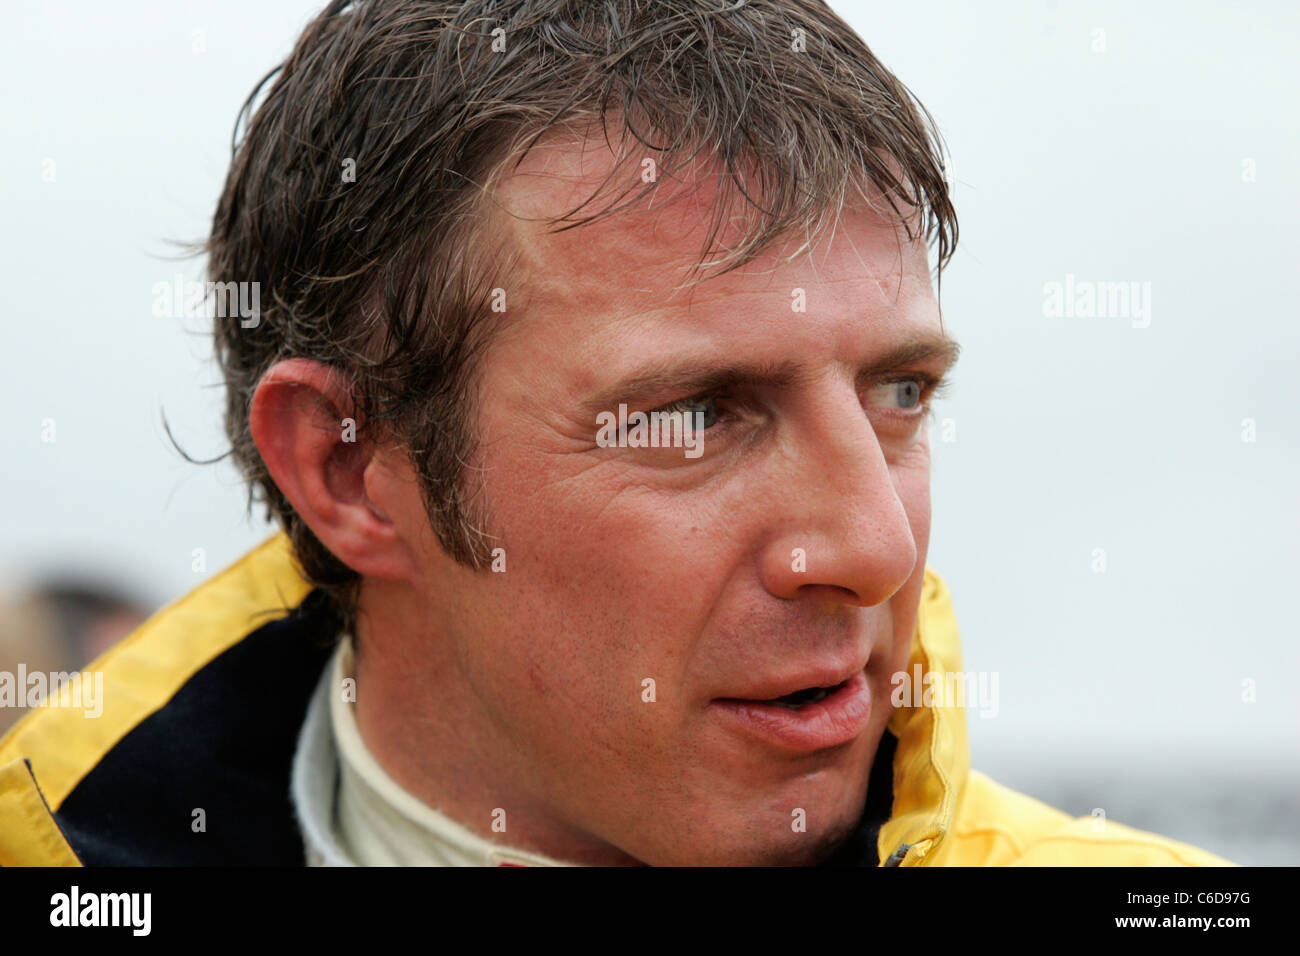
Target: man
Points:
x,y
605,523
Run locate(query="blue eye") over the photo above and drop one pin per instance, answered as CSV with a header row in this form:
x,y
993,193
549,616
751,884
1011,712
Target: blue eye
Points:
x,y
707,408
909,393
905,394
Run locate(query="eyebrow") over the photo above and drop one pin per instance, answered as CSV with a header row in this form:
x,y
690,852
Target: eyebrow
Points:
x,y
667,378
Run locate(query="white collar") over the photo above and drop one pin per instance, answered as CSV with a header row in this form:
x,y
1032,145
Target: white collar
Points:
x,y
352,813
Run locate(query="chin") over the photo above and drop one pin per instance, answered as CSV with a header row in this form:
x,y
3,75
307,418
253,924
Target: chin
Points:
x,y
812,849
793,849
763,838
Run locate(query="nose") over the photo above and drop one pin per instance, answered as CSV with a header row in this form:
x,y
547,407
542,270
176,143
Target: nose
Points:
x,y
846,536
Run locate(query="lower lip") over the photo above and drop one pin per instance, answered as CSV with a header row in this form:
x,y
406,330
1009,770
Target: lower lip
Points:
x,y
836,719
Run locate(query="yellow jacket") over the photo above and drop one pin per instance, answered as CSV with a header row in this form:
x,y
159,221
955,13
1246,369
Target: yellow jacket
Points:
x,y
188,762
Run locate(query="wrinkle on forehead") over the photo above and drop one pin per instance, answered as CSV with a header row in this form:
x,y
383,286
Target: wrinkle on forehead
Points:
x,y
635,260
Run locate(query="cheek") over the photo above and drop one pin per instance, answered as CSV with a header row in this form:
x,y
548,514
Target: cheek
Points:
x,y
607,586
912,484
916,502
911,477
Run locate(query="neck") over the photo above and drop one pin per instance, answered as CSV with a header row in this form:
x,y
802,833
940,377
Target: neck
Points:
x,y
421,719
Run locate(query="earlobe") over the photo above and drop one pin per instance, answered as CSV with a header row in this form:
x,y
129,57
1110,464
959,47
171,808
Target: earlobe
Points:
x,y
303,423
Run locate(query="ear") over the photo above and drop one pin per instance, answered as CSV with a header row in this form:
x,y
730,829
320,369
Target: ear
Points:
x,y
328,468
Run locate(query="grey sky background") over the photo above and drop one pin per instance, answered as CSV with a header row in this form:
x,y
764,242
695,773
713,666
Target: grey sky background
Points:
x,y
1162,150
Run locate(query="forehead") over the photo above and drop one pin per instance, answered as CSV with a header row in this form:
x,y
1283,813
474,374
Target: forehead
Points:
x,y
617,279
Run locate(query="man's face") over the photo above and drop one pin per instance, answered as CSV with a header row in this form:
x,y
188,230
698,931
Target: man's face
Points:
x,y
600,680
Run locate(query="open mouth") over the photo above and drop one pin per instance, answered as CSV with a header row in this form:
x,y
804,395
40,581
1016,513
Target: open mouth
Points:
x,y
800,698
813,718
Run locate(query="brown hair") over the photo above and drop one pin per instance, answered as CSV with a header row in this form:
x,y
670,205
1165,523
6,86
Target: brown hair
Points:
x,y
388,278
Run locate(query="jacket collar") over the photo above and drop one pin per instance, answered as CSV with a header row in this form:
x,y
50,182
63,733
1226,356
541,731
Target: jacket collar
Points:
x,y
103,782
932,762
